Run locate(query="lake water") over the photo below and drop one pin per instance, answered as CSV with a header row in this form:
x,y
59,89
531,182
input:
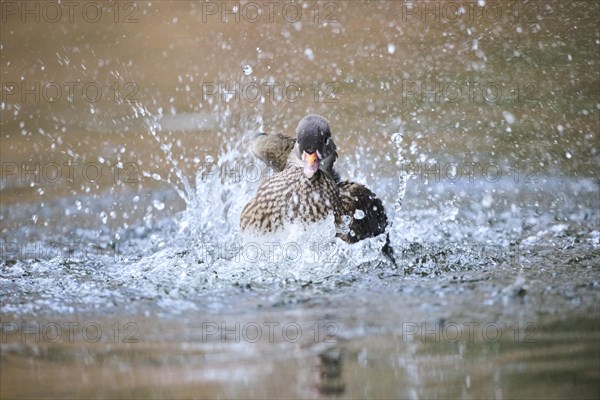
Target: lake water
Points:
x,y
125,167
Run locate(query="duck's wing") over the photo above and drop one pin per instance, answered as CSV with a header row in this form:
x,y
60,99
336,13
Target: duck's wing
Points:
x,y
365,209
273,149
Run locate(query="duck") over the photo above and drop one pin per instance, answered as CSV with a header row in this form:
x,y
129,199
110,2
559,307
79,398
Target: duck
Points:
x,y
306,187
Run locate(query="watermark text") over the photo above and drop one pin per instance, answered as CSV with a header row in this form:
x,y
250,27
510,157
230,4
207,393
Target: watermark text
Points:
x,y
70,92
70,11
68,250
261,92
34,173
318,12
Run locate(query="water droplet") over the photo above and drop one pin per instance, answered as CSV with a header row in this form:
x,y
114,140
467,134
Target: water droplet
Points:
x,y
391,48
359,214
247,70
397,138
568,154
509,117
158,204
487,201
346,221
308,53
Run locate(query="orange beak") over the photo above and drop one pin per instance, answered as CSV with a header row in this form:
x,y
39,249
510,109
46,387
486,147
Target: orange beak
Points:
x,y
311,163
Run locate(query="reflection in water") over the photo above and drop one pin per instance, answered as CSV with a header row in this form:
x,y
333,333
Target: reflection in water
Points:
x,y
328,376
561,361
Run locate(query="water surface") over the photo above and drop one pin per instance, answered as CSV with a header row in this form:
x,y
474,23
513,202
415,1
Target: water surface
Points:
x,y
126,275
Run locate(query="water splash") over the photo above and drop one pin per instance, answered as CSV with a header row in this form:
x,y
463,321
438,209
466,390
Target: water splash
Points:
x,y
200,257
403,174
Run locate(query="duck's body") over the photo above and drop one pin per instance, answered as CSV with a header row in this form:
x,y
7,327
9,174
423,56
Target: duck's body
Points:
x,y
289,196
306,187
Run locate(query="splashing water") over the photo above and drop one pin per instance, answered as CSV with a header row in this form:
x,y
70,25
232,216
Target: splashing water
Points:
x,y
199,258
208,250
403,175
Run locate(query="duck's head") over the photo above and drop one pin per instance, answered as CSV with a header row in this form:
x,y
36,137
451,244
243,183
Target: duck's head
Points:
x,y
315,145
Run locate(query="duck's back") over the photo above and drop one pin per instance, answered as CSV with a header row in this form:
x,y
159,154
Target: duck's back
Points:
x,y
289,196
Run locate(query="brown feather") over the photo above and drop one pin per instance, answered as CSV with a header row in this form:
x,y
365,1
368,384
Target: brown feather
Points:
x,y
289,196
273,149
